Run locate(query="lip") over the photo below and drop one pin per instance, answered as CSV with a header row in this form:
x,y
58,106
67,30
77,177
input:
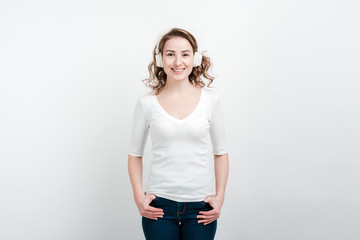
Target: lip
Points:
x,y
178,72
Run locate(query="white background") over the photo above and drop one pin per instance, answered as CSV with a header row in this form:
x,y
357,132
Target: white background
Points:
x,y
287,71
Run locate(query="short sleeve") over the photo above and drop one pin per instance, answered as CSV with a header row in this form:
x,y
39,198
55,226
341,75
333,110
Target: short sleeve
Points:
x,y
217,129
140,130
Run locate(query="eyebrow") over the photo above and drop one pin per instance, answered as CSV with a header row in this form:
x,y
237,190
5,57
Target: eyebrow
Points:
x,y
174,51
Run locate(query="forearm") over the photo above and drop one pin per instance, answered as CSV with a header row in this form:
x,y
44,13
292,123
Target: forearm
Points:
x,y
135,169
221,165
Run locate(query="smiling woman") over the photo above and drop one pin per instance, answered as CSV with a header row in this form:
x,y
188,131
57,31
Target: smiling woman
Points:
x,y
201,64
177,62
179,114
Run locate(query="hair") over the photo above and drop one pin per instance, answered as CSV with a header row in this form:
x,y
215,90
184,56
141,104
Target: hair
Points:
x,y
157,79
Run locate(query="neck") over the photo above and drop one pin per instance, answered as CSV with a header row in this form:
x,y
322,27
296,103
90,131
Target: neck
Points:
x,y
178,87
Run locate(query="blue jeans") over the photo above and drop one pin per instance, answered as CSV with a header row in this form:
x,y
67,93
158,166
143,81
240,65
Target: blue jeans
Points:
x,y
179,222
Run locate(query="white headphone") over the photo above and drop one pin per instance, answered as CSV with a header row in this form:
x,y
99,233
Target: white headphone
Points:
x,y
158,58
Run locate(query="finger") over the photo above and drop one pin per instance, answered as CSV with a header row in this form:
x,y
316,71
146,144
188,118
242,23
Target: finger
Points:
x,y
154,209
206,221
152,197
211,212
151,210
209,199
215,211
151,214
204,216
149,199
153,218
209,220
154,214
201,217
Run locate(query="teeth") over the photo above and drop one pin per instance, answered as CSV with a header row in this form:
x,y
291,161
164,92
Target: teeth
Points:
x,y
178,70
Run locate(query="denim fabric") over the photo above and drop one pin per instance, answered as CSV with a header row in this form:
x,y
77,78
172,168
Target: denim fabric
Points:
x,y
179,222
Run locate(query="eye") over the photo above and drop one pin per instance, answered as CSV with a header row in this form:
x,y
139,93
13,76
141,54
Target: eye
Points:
x,y
170,54
186,55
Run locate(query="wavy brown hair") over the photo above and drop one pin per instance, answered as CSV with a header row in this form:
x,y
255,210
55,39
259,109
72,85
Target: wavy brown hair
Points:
x,y
157,79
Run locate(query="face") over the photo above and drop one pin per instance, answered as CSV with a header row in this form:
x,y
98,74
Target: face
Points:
x,y
178,59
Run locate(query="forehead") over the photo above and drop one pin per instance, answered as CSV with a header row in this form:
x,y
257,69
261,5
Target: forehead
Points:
x,y
177,43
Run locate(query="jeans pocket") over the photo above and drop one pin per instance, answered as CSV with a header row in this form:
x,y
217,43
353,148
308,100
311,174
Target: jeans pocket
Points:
x,y
154,200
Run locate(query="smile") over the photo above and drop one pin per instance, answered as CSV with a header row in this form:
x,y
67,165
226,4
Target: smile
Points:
x,y
178,70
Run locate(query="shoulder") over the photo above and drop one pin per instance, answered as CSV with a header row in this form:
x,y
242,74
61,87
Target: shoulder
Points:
x,y
145,102
145,98
211,93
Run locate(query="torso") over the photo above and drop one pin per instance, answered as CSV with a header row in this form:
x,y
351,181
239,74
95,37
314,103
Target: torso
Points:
x,y
180,143
180,106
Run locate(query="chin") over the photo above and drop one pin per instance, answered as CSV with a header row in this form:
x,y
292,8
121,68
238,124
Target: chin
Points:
x,y
184,75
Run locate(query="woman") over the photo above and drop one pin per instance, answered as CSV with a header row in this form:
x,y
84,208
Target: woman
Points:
x,y
180,113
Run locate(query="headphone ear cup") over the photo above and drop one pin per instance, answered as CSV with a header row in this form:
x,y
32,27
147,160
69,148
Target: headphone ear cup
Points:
x,y
158,60
197,59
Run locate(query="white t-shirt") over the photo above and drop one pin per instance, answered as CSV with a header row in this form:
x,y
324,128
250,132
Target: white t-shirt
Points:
x,y
179,168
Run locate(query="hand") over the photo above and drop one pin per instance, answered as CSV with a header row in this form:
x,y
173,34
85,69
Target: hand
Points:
x,y
207,217
143,204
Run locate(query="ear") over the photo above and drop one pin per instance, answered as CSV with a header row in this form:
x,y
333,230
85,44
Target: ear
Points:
x,y
158,59
197,58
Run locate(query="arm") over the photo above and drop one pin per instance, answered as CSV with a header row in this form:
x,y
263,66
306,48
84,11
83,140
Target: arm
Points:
x,y
221,174
221,165
135,169
138,140
142,201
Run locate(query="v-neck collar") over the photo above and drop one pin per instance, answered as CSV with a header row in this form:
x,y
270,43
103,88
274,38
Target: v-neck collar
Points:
x,y
166,114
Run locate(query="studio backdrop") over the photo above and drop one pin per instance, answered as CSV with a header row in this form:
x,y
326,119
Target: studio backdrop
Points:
x,y
288,75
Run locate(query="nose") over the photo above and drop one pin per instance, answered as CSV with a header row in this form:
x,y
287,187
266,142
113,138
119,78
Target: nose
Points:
x,y
178,60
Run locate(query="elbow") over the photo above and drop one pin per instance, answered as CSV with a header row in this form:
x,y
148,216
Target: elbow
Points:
x,y
221,157
217,155
134,156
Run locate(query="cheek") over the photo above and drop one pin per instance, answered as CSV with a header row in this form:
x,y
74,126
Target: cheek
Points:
x,y
189,65
189,62
166,64
166,69
166,61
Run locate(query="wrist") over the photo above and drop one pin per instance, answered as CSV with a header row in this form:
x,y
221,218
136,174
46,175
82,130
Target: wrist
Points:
x,y
220,195
138,195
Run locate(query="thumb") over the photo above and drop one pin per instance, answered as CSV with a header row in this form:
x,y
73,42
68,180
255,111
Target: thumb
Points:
x,y
207,199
